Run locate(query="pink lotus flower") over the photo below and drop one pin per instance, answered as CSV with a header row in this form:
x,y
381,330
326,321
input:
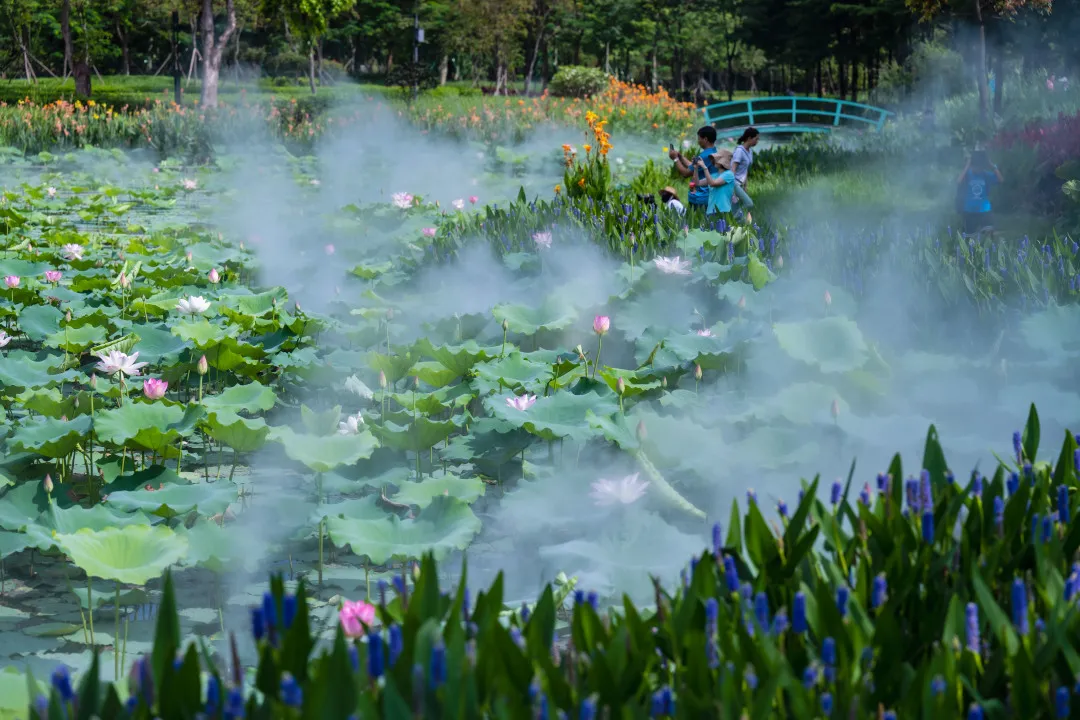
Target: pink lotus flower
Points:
x,y
619,492
429,232
329,249
543,239
473,199
828,299
72,251
403,200
53,276
154,389
521,402
705,333
189,185
458,204
12,281
214,276
672,266
356,617
601,324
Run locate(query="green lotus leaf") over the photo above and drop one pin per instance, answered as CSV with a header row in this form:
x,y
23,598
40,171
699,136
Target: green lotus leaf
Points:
x,y
395,367
832,344
457,358
423,493
561,415
21,371
175,499
152,426
50,438
52,403
433,373
56,521
324,453
614,428
21,505
157,344
39,321
370,271
320,423
200,332
528,319
801,403
420,434
513,372
241,434
134,554
446,525
237,356
75,340
257,304
760,274
123,344
633,386
22,268
251,397
14,694
213,547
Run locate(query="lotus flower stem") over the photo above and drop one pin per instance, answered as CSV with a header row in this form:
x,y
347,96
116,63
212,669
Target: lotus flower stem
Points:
x,y
321,521
663,489
90,605
596,362
116,634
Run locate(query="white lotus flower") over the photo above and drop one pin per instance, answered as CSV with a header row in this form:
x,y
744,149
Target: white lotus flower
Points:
x,y
521,402
459,204
403,200
4,338
619,492
51,192
672,266
72,251
189,184
114,362
351,426
356,385
194,305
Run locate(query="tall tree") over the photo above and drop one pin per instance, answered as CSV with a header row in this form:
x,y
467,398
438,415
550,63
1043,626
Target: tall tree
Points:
x,y
310,19
214,49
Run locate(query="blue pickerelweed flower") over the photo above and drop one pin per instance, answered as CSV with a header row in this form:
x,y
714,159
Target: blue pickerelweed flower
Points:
x,y
292,695
751,679
669,700
354,658
976,485
911,493
975,713
234,705
588,709
889,715
826,704
972,628
657,705
798,613
375,655
712,613
258,627
399,584
878,592
465,604
61,681
1076,459
842,595
1047,529
1020,606
882,482
928,527
579,597
717,539
288,610
782,508
1040,626
926,491
438,665
593,599
751,497
1018,448
937,685
525,613
731,576
213,696
1063,504
864,495
269,608
41,707
1029,472
761,610
1061,702
999,515
828,651
834,495
810,677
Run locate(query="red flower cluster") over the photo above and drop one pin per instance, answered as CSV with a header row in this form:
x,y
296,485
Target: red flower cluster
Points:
x,y
1056,142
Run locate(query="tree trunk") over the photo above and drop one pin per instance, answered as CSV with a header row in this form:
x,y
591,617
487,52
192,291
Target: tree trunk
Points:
x,y
980,63
654,79
539,36
820,90
607,57
999,83
444,69
730,75
854,80
65,32
311,66
213,49
125,56
842,67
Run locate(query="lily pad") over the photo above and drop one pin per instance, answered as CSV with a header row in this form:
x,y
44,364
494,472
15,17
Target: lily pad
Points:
x,y
447,524
132,554
51,438
323,454
152,426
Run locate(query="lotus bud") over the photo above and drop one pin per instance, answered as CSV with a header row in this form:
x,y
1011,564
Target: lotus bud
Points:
x,y
389,313
67,316
93,381
416,382
201,367
779,262
663,382
99,263
48,484
835,408
76,403
298,310
63,418
828,299
120,255
505,324
742,302
697,371
382,379
641,433
620,386
241,244
214,277
188,256
416,571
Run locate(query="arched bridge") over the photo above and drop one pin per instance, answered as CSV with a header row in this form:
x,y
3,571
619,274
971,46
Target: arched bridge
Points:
x,y
799,114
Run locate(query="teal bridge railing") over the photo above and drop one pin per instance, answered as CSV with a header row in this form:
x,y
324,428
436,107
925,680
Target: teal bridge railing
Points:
x,y
799,114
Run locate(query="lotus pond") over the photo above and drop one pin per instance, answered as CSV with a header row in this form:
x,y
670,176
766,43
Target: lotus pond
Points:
x,y
262,367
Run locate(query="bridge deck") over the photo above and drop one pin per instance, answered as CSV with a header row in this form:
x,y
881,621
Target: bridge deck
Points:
x,y
794,114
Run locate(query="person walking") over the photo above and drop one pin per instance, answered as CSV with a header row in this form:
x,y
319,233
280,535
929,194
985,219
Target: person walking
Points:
x,y
698,197
973,188
743,157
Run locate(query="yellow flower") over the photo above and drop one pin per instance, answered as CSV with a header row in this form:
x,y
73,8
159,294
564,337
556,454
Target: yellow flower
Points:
x,y
581,182
558,189
588,147
90,103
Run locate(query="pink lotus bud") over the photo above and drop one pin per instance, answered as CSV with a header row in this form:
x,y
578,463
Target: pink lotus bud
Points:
x,y
641,433
742,302
154,389
93,381
188,256
779,262
835,408
505,324
214,276
416,382
12,281
67,316
663,382
53,276
828,299
601,324
202,366
48,484
382,379
697,371
329,249
620,386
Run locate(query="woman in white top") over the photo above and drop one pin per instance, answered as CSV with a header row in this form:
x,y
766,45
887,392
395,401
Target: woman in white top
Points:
x,y
743,157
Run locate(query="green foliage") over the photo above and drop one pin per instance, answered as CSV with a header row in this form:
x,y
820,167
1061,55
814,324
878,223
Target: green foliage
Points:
x,y
577,82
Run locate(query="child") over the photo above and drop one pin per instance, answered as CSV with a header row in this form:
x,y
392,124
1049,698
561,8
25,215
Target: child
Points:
x,y
671,200
974,183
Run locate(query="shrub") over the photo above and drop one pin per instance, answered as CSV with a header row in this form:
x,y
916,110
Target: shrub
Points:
x,y
924,597
578,82
286,64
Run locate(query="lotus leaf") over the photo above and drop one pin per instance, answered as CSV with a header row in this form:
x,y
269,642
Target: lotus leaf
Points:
x,y
175,499
421,434
152,426
54,404
395,367
213,547
157,344
421,494
514,371
457,358
39,321
320,423
132,554
21,371
832,344
76,339
760,275
560,415
239,433
800,403
324,453
528,320
256,304
447,524
250,397
51,438
433,373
